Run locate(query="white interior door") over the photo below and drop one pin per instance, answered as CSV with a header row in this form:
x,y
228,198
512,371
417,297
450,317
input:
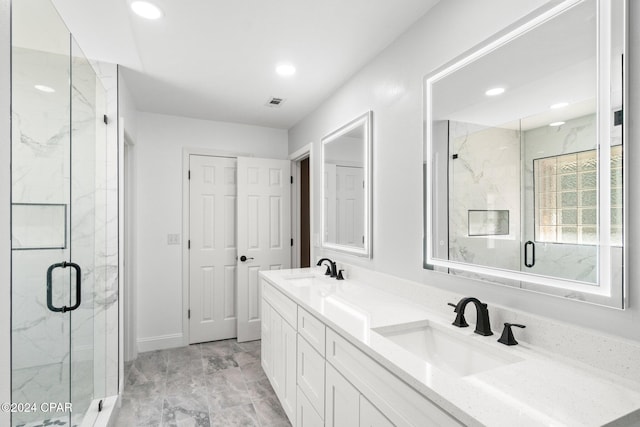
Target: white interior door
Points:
x,y
329,204
264,233
212,256
350,205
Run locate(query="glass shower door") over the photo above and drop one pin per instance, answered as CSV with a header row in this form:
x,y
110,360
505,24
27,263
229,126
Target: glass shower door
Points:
x,y
88,233
58,204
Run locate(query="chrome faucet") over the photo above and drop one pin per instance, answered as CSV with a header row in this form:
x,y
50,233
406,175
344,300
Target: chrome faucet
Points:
x,y
482,321
331,268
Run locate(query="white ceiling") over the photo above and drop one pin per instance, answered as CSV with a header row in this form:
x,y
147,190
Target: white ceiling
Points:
x,y
551,63
215,60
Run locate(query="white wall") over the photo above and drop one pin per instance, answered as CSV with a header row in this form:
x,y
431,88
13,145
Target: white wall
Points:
x,y
158,181
128,130
127,109
5,205
391,86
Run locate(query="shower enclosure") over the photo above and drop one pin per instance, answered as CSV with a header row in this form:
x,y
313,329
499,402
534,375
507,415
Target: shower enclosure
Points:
x,y
62,267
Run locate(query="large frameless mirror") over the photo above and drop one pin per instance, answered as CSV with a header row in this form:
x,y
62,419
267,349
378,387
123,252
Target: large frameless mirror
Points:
x,y
346,187
524,156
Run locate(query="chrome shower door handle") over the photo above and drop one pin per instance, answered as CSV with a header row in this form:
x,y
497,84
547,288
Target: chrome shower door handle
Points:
x,y
64,308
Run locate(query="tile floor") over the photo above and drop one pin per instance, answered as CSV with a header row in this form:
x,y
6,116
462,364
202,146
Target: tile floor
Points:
x,y
219,383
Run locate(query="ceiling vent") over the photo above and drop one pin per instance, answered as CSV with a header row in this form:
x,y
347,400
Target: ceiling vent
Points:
x,y
275,102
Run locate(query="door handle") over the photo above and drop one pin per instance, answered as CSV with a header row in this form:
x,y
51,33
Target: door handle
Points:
x,y
244,258
526,254
64,308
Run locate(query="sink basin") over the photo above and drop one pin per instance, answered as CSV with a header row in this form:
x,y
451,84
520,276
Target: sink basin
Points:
x,y
305,279
455,353
302,281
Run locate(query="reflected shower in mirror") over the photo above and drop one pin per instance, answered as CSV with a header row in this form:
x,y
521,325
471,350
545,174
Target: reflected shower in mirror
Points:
x,y
524,183
345,163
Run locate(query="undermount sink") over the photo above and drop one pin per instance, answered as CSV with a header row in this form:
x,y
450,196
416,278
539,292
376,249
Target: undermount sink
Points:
x,y
302,281
451,352
305,279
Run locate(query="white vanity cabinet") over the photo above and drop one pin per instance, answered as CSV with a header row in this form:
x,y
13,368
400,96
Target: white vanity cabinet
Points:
x,y
311,361
392,397
370,416
321,379
342,399
279,346
306,415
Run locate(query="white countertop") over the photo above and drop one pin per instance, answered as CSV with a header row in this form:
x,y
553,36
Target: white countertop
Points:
x,y
541,389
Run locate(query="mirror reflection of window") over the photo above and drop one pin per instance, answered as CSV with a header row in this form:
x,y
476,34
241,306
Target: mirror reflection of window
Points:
x,y
566,197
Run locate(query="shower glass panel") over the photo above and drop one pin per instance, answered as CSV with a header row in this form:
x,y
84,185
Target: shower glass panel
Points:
x,y
58,224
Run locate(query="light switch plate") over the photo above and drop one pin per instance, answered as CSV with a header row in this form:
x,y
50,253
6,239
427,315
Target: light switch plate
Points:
x,y
173,239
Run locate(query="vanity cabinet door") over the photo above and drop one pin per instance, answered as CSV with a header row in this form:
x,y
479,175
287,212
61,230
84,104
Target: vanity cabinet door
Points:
x,y
342,401
306,415
287,357
279,341
370,416
311,374
266,349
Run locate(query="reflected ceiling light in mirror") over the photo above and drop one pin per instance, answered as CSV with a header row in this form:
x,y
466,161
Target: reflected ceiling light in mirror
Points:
x,y
556,124
559,105
43,88
495,91
146,10
285,69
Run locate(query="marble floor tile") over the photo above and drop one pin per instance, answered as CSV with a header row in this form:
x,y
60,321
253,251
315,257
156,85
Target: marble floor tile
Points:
x,y
241,416
224,399
218,348
219,383
186,409
253,372
230,378
140,410
270,412
244,358
217,363
250,346
260,389
186,385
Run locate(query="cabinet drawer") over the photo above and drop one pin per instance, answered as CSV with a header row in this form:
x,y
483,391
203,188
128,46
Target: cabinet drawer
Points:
x,y
311,329
306,415
280,303
400,403
311,374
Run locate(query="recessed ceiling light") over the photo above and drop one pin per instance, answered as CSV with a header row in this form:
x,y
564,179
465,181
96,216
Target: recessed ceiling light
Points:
x,y
285,70
495,91
559,105
146,10
43,88
556,124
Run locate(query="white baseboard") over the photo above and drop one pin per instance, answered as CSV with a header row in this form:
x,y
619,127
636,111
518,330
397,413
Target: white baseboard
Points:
x,y
160,342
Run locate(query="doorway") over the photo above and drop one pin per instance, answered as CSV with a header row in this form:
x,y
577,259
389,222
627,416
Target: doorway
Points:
x,y
305,223
302,207
238,224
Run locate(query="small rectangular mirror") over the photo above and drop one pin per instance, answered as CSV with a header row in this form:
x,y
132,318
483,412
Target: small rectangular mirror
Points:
x,y
524,156
346,188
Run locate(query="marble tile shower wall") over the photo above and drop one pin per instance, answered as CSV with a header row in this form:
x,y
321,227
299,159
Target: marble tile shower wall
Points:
x,y
487,175
41,174
484,176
